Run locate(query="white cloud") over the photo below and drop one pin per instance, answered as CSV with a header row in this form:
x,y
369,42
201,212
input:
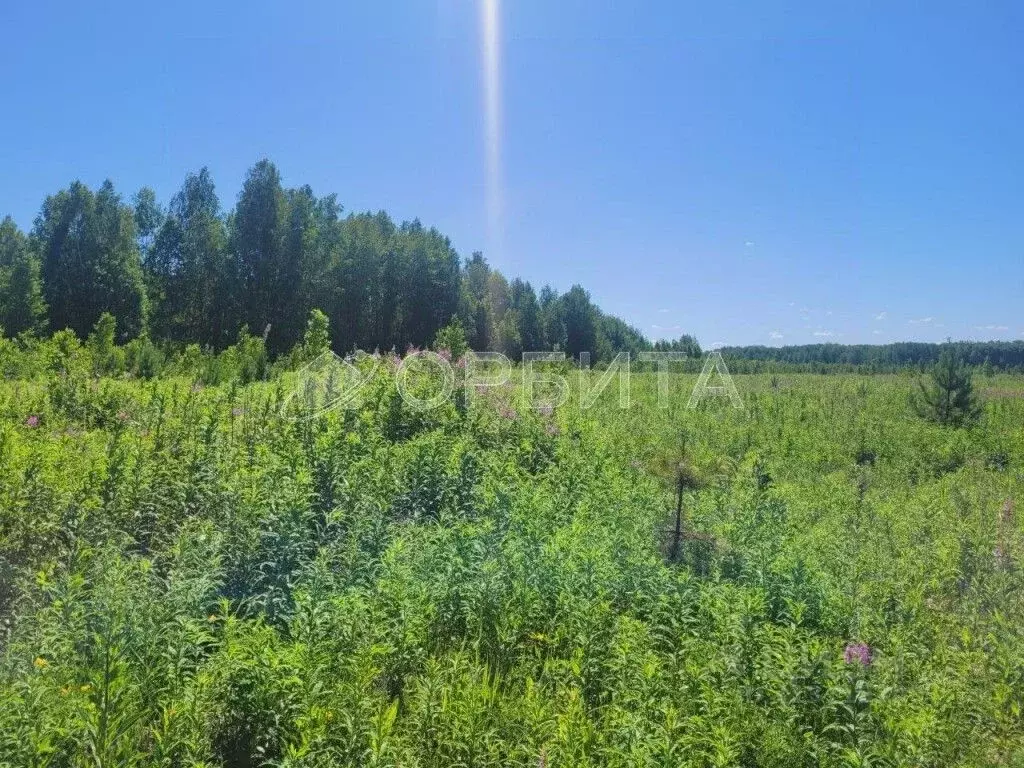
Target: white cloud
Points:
x,y
792,303
991,328
749,244
664,311
774,335
922,321
881,316
667,327
877,332
716,344
824,333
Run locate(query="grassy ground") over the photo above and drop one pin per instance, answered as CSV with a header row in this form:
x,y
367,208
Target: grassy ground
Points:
x,y
188,577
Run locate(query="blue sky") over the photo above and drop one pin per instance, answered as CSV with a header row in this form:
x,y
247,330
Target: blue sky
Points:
x,y
783,173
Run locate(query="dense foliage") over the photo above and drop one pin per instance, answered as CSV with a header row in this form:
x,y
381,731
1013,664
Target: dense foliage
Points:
x,y
191,577
948,397
197,274
1005,355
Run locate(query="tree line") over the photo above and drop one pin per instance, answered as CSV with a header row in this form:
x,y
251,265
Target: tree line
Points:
x,y
1002,355
193,273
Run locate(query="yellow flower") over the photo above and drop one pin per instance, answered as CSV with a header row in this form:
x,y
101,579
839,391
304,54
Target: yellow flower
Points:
x,y
40,662
85,688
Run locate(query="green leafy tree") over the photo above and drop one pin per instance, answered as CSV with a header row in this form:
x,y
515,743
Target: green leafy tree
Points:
x,y
685,343
90,260
296,270
196,275
615,335
580,322
552,318
186,268
250,356
359,289
475,305
265,283
317,338
429,290
524,304
453,338
948,398
509,342
22,307
148,217
482,323
102,348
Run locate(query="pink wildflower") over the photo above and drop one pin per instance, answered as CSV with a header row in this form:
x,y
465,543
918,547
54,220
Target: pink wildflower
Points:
x,y
857,653
32,421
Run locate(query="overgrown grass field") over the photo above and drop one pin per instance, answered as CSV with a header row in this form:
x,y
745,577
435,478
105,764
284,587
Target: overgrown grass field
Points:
x,y
191,577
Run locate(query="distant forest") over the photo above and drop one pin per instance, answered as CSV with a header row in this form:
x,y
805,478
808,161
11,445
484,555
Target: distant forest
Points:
x,y
1002,355
192,272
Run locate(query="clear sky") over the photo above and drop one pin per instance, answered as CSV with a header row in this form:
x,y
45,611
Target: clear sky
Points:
x,y
777,173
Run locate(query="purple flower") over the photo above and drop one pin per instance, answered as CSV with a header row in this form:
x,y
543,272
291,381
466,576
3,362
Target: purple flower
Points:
x,y
32,421
508,413
122,416
857,653
545,410
552,429
445,354
236,411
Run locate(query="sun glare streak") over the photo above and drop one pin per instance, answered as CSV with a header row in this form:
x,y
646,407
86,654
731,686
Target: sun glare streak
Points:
x,y
491,44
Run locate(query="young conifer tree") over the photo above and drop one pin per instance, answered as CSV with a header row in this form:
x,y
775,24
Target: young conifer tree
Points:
x,y
948,398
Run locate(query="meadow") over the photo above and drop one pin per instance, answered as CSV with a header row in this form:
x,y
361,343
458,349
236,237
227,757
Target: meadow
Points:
x,y
190,576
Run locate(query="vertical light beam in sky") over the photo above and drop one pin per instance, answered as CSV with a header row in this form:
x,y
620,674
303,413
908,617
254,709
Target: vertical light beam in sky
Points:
x,y
490,36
